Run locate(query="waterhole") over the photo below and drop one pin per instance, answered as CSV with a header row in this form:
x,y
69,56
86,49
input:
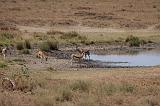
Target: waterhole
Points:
x,y
134,58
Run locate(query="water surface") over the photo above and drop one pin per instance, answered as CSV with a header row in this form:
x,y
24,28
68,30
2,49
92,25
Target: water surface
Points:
x,y
140,58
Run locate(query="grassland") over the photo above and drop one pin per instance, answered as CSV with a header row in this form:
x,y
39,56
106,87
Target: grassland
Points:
x,y
126,87
28,25
73,37
50,86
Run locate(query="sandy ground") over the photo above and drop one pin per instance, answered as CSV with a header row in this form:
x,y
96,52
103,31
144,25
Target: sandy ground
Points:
x,y
81,29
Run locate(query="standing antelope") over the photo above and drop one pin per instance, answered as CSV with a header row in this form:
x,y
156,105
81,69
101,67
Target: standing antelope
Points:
x,y
86,52
4,52
42,55
77,56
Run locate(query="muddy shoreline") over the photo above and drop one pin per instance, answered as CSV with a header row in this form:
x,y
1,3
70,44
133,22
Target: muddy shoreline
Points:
x,y
64,54
106,48
61,59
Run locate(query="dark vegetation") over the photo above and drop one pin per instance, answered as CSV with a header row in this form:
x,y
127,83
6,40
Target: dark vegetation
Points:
x,y
49,45
134,41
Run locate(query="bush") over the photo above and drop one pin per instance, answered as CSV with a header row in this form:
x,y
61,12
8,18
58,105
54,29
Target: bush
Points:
x,y
133,41
49,45
27,44
19,46
23,45
69,35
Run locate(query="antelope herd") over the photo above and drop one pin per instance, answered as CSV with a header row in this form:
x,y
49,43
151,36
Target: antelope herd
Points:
x,y
44,56
7,83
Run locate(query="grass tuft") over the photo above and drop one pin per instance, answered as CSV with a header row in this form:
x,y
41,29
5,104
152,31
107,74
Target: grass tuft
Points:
x,y
80,85
127,88
49,45
69,35
66,95
19,46
3,64
27,44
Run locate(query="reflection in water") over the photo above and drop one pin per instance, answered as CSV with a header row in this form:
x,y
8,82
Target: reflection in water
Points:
x,y
133,52
141,58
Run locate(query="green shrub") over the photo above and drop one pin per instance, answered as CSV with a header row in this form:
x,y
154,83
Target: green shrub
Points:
x,y
49,45
133,41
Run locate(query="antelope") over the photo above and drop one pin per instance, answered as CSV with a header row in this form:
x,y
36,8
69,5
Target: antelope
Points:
x,y
42,55
7,83
4,52
77,56
86,52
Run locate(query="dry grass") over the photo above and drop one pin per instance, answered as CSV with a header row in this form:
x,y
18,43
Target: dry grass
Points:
x,y
95,37
121,14
134,87
9,37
